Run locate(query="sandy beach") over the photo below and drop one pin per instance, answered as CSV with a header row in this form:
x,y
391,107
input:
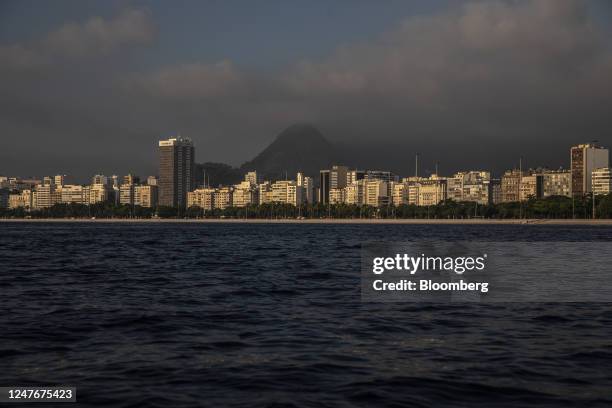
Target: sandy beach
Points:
x,y
475,221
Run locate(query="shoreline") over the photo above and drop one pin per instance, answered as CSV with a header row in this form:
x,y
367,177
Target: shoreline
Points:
x,y
352,221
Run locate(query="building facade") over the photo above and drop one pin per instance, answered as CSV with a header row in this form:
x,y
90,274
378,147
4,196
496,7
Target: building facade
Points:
x,y
531,187
431,191
201,197
244,194
265,193
471,186
376,193
324,186
584,159
602,181
336,195
510,186
557,183
73,194
126,194
308,184
145,196
176,171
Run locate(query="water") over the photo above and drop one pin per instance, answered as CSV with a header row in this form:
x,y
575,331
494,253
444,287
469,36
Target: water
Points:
x,y
270,315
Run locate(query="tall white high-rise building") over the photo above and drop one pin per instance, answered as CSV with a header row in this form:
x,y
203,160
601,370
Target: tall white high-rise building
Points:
x,y
586,158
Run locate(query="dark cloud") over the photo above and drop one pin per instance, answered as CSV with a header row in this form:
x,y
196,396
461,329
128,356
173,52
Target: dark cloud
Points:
x,y
100,36
473,87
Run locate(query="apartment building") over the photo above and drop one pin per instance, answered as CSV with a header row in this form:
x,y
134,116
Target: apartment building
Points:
x,y
510,186
146,195
602,181
557,183
201,197
585,158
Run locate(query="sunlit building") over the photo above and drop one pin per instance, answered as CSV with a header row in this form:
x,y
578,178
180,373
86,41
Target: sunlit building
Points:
x,y
471,186
510,186
126,194
602,181
287,192
222,197
201,197
557,183
531,187
252,178
145,195
376,193
336,195
265,193
431,191
585,158
73,194
400,194
44,196
244,194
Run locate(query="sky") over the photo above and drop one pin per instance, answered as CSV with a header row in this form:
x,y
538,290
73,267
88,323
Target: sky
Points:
x,y
90,87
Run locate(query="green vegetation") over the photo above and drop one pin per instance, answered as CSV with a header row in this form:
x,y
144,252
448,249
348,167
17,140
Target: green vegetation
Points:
x,y
552,207
100,210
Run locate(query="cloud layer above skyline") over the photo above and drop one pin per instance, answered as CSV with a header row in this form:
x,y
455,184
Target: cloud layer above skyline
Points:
x,y
473,86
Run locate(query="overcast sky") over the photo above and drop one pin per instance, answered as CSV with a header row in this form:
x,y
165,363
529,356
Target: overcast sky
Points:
x,y
89,87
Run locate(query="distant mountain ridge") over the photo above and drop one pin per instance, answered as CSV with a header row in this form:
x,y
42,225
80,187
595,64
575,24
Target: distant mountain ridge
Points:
x,y
300,147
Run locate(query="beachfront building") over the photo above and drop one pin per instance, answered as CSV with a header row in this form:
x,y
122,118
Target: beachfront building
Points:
x,y
472,186
336,195
431,191
126,194
73,194
557,183
176,171
244,193
376,193
510,186
399,193
287,192
307,183
44,196
602,181
351,193
146,195
585,158
265,193
201,197
531,187
222,197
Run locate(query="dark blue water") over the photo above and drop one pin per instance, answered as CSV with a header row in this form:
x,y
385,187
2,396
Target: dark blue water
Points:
x,y
270,315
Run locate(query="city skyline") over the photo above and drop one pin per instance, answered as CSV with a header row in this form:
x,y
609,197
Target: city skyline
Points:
x,y
423,166
175,185
91,84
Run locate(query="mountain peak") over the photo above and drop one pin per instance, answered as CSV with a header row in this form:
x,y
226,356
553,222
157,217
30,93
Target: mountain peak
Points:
x,y
300,147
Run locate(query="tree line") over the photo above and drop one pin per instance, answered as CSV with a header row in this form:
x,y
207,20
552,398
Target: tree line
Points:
x,y
552,207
